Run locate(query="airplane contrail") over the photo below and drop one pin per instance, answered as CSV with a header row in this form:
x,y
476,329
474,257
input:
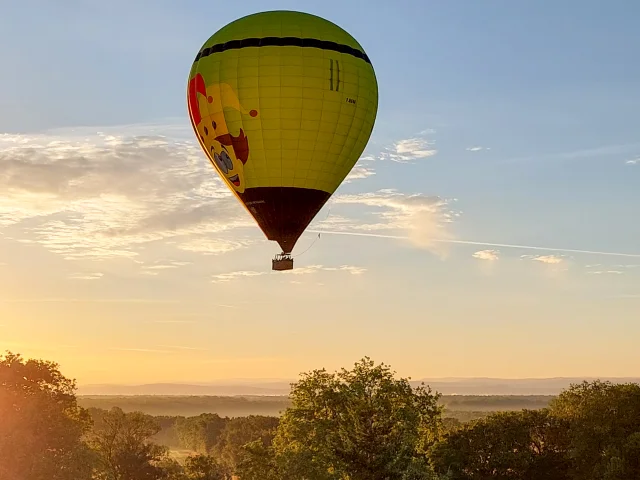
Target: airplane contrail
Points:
x,y
484,244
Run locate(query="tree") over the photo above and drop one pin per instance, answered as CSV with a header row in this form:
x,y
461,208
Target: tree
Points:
x,y
204,467
171,469
124,451
450,424
41,424
525,445
257,461
361,424
200,433
240,431
603,427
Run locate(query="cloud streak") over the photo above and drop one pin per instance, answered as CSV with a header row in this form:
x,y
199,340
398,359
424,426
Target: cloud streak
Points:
x,y
180,347
140,350
486,244
621,149
85,300
170,322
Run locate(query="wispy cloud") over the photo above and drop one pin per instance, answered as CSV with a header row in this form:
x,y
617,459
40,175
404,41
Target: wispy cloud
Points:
x,y
307,270
49,347
98,195
319,268
206,245
159,266
477,149
227,277
422,217
606,272
139,350
178,322
409,149
180,347
489,255
635,161
546,259
359,172
86,276
236,360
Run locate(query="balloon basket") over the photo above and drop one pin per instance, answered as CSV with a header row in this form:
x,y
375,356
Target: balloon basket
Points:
x,y
282,261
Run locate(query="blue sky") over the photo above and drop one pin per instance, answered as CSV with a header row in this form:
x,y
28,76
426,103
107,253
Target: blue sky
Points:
x,y
511,123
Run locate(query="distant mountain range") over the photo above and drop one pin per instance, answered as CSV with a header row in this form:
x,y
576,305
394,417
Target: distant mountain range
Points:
x,y
445,386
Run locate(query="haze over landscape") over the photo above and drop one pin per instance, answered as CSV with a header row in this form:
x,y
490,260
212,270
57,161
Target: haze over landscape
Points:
x,y
446,386
489,230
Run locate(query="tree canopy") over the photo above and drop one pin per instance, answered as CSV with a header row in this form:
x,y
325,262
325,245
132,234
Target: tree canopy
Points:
x,y
361,424
41,425
603,427
357,424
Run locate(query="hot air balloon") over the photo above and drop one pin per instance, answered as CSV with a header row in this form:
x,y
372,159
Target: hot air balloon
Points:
x,y
283,104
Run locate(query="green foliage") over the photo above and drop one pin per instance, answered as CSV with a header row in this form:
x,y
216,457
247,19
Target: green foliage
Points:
x,y
524,445
171,469
124,452
603,429
450,424
204,467
493,403
257,461
168,434
41,425
240,431
361,424
200,433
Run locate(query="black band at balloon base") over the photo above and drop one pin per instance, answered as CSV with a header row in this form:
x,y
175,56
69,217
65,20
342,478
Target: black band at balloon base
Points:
x,y
283,213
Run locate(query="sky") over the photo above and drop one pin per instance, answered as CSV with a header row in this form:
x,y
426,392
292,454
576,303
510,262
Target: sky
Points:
x,y
489,229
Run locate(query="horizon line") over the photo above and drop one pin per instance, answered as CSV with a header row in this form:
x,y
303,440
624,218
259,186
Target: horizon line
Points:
x,y
214,383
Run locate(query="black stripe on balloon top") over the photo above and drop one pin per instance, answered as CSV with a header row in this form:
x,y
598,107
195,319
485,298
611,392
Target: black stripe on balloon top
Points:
x,y
282,42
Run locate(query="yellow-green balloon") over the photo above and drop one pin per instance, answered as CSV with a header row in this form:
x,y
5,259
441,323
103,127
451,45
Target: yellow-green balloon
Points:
x,y
283,104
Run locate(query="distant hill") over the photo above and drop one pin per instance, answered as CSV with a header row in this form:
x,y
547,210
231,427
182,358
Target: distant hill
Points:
x,y
518,386
446,386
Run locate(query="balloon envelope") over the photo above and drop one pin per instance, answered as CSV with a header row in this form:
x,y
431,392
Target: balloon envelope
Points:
x,y
283,104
